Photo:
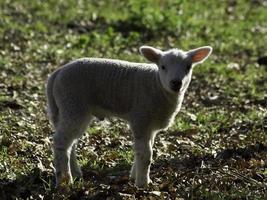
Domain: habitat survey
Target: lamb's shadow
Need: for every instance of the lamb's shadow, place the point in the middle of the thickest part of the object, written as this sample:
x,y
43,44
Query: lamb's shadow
x,y
24,186
42,182
118,174
193,161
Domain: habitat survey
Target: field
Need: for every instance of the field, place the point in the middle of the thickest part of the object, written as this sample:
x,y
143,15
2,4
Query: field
x,y
217,148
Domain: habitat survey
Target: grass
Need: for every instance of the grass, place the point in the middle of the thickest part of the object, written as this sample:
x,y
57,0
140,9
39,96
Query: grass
x,y
218,145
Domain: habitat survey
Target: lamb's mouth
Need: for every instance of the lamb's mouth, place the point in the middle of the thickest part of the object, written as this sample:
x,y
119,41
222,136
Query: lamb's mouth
x,y
175,89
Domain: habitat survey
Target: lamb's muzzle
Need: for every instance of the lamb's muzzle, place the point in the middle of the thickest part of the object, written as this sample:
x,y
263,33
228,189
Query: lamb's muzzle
x,y
175,85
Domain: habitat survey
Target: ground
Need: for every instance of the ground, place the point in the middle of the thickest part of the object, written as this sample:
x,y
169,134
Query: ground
x,y
217,148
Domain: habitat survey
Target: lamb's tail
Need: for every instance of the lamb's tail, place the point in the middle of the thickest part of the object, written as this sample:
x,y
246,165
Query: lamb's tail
x,y
52,109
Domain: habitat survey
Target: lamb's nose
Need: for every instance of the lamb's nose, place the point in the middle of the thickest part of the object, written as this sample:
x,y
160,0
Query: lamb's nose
x,y
176,85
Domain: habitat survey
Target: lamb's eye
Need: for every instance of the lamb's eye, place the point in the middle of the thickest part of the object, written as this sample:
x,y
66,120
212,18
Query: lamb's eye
x,y
163,67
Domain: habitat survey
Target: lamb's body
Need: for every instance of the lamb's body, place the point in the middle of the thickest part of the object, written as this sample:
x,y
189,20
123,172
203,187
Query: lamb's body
x,y
144,95
113,88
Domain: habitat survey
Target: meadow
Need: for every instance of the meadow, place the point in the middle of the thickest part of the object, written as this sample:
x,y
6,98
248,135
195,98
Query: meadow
x,y
217,148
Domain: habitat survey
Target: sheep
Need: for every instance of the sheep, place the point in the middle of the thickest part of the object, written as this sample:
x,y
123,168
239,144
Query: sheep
x,y
147,96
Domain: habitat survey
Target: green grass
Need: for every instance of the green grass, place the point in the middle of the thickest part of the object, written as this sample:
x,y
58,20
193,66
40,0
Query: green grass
x,y
215,150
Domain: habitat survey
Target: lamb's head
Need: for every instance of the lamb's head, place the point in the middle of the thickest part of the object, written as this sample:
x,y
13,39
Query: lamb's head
x,y
175,66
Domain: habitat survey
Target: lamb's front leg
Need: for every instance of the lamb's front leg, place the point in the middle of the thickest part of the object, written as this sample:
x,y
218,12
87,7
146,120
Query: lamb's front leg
x,y
133,169
143,157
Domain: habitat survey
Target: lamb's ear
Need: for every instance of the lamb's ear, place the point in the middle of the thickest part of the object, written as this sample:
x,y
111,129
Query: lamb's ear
x,y
200,54
150,53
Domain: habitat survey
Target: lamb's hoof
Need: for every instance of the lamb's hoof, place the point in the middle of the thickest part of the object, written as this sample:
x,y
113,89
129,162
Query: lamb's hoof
x,y
143,184
63,180
77,175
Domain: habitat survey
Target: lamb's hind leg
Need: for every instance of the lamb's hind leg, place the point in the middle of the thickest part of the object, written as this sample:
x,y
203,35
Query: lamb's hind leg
x,y
76,171
67,133
62,149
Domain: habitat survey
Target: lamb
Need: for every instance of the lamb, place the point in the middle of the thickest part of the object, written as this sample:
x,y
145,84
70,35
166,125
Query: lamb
x,y
147,96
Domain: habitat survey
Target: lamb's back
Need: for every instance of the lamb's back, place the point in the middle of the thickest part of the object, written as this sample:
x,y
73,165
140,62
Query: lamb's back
x,y
106,85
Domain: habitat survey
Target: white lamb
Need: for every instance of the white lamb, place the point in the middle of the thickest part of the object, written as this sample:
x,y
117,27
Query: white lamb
x,y
147,96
